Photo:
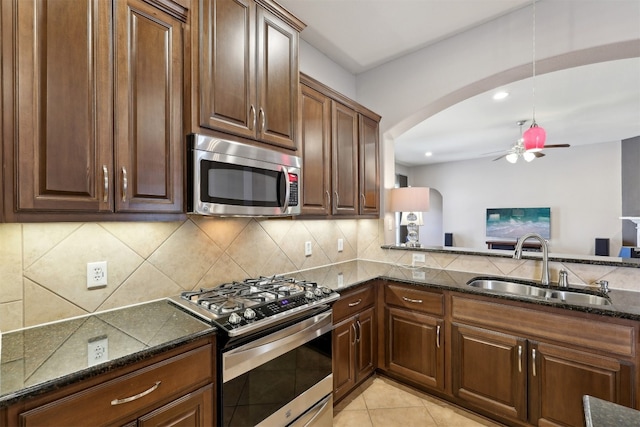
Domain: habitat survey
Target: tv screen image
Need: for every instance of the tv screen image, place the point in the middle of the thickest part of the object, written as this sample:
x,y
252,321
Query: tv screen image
x,y
512,223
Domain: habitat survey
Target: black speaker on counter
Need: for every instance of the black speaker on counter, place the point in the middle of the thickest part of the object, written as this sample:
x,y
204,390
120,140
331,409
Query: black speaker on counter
x,y
448,239
602,247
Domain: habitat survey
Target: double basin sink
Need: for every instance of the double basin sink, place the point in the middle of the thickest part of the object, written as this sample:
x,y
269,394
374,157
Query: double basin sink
x,y
549,294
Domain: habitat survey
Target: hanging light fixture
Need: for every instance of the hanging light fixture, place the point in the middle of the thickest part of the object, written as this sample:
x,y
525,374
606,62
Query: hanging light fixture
x,y
535,136
518,150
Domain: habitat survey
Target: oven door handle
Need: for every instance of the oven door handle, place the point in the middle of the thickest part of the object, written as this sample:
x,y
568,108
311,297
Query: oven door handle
x,y
240,360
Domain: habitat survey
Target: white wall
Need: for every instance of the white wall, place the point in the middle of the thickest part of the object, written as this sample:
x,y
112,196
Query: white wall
x,y
317,65
581,185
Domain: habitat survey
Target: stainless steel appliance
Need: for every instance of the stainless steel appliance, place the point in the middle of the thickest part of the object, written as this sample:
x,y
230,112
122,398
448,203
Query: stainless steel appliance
x,y
274,350
227,177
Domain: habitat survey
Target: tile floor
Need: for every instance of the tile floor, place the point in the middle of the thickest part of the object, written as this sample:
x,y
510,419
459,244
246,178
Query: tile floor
x,y
382,402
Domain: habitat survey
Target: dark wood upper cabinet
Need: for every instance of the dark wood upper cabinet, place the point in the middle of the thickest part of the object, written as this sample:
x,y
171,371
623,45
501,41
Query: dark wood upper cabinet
x,y
315,144
71,62
345,160
340,154
149,138
247,57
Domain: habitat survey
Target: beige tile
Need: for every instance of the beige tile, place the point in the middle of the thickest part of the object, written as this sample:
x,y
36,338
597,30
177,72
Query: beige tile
x,y
42,305
147,283
224,270
402,417
474,264
383,395
293,244
279,229
11,316
355,403
223,231
186,256
446,415
142,237
252,249
358,418
11,264
63,270
40,238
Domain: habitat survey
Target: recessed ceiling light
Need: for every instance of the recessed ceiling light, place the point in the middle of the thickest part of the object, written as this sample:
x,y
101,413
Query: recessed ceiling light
x,y
428,154
500,95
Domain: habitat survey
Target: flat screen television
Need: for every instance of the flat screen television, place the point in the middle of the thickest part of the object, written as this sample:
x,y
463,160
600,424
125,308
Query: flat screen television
x,y
512,223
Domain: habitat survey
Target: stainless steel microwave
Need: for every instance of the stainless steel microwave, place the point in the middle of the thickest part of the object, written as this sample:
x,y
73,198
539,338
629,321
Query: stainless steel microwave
x,y
227,177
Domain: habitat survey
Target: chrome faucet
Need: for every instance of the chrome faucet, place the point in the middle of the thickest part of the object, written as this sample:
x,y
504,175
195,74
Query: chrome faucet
x,y
545,254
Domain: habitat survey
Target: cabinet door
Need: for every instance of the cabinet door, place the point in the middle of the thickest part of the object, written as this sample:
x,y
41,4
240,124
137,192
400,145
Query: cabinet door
x,y
344,122
414,347
344,342
366,348
227,66
369,166
149,137
278,80
193,410
490,370
64,115
559,377
316,155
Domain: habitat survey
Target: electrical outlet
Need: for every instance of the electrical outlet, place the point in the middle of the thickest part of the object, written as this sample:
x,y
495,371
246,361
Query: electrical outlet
x,y
418,275
418,258
97,350
340,245
340,279
307,248
96,274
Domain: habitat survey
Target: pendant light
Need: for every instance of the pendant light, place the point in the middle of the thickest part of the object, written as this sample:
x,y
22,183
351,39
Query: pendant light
x,y
535,136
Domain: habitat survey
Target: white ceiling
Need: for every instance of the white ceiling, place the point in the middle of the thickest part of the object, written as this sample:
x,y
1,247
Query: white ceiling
x,y
600,103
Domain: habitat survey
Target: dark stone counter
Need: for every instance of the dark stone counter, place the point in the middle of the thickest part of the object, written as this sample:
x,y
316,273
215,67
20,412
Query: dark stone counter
x,y
44,358
600,413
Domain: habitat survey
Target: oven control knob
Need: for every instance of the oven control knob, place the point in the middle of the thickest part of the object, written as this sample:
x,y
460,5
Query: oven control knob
x,y
317,292
249,314
309,295
234,319
326,290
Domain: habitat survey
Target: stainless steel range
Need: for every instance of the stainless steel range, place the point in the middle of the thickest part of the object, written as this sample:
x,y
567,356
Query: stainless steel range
x,y
274,350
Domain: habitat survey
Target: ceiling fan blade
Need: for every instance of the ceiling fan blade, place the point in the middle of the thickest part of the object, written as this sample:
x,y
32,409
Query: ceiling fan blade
x,y
539,154
498,158
557,146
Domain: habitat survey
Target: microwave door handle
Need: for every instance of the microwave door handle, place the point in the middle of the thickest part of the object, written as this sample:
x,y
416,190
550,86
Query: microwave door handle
x,y
285,205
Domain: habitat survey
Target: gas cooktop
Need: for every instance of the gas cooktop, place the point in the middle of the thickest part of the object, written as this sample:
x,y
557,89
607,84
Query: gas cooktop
x,y
240,308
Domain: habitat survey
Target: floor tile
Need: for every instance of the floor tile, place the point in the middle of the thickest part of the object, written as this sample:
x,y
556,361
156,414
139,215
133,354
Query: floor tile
x,y
383,402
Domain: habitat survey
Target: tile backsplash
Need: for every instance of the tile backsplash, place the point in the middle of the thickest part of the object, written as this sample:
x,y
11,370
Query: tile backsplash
x,y
43,266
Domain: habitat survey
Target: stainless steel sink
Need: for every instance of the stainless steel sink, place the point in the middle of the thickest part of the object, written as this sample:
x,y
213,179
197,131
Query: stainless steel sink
x,y
522,289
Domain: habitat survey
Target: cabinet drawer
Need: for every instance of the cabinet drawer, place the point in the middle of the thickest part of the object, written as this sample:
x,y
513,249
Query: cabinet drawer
x,y
414,299
126,396
352,302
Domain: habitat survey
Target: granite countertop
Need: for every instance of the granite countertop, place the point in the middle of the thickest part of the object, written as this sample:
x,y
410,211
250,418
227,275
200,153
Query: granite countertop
x,y
624,304
600,413
43,358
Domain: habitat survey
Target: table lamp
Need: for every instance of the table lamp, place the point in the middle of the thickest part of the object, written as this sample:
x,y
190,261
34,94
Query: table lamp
x,y
411,201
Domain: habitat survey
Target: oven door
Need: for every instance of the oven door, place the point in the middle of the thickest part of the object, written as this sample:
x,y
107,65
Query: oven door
x,y
276,379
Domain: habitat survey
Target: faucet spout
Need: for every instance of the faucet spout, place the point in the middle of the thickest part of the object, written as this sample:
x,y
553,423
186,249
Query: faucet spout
x,y
545,254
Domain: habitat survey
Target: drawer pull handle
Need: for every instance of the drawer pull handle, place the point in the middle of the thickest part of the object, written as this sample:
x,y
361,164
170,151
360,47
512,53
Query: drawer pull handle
x,y
115,402
519,358
415,301
438,336
353,304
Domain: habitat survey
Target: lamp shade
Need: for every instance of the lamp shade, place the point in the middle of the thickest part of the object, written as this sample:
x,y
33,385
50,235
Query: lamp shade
x,y
533,138
409,199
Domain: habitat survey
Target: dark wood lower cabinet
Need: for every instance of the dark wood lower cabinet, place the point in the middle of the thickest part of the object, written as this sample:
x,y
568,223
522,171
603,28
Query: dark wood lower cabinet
x,y
353,351
414,346
560,376
490,370
194,409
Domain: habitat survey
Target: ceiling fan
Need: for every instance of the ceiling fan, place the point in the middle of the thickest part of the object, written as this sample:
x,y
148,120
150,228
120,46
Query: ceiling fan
x,y
514,153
